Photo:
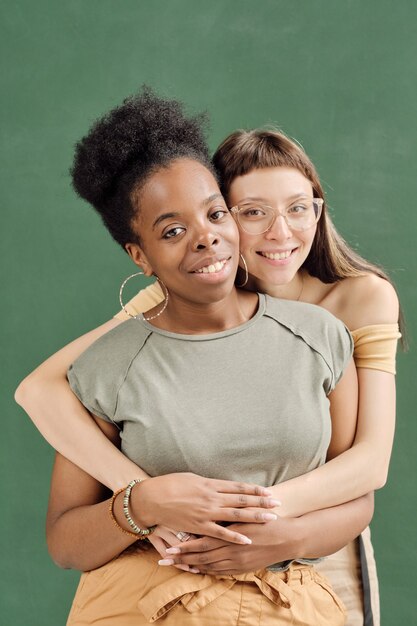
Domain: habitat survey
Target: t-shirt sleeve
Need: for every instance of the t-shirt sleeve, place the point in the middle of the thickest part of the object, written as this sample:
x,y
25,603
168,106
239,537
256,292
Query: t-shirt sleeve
x,y
86,380
97,376
319,329
143,301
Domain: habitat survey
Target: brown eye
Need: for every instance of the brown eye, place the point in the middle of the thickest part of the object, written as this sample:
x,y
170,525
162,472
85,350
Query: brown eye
x,y
297,209
253,212
173,232
218,214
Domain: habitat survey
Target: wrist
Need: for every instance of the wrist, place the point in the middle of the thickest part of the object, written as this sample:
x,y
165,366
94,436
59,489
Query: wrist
x,y
142,505
125,522
280,493
121,474
116,508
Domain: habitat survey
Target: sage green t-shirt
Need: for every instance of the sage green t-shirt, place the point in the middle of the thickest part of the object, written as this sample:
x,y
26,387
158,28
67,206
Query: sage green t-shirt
x,y
249,403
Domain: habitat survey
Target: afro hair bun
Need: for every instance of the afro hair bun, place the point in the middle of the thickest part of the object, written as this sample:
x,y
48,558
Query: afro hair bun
x,y
124,146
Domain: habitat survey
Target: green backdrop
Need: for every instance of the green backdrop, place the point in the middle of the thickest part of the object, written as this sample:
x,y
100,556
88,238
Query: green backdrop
x,y
338,76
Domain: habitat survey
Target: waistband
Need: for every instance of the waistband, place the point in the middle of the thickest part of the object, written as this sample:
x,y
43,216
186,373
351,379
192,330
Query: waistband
x,y
196,591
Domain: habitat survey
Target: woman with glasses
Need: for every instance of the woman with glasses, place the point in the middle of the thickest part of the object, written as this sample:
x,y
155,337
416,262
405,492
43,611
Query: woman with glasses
x,y
290,250
260,173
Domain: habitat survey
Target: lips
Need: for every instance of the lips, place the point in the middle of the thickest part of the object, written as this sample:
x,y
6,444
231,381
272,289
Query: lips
x,y
211,269
210,266
277,256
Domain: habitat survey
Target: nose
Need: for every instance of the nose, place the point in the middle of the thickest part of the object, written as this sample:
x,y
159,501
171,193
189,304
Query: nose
x,y
205,238
279,229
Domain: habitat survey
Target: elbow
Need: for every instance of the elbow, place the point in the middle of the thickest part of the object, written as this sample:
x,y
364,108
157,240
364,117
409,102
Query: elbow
x,y
27,391
20,393
31,395
59,562
60,545
67,553
59,556
64,556
375,468
381,480
379,476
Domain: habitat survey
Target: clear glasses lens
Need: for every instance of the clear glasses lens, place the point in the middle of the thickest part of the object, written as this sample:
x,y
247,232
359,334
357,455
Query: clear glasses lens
x,y
257,219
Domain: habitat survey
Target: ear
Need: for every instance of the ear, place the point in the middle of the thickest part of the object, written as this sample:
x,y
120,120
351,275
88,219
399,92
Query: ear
x,y
139,258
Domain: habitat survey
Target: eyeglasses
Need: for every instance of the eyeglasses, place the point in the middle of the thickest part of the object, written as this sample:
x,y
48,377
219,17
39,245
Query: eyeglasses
x,y
255,218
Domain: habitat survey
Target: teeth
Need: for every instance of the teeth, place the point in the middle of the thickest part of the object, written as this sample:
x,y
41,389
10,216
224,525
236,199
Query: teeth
x,y
211,269
277,256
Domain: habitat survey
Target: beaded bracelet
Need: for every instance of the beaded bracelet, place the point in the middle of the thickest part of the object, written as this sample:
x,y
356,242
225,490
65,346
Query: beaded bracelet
x,y
140,533
113,518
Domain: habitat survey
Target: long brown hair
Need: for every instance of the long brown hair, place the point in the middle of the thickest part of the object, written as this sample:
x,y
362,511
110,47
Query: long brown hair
x,y
330,258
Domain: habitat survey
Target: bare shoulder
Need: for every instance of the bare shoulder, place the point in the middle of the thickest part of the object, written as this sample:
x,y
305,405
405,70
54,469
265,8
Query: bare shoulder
x,y
366,300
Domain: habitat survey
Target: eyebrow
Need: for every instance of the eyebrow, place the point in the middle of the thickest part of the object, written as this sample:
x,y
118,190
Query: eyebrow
x,y
171,214
214,196
260,199
161,218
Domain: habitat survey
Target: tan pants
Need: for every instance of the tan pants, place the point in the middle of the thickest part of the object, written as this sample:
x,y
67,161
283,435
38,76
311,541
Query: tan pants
x,y
134,590
343,569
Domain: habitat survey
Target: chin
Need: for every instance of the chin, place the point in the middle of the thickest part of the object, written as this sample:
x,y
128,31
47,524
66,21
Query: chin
x,y
216,293
278,278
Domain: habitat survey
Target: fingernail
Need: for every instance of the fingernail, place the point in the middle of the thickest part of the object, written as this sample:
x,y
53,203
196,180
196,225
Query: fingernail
x,y
245,539
267,516
166,562
173,551
267,492
193,570
275,502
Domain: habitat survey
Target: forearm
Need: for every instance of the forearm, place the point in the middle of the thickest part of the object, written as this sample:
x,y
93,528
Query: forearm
x,y
71,430
318,533
85,538
326,531
79,529
340,480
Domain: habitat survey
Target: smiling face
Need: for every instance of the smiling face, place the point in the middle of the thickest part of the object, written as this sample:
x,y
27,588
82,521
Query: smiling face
x,y
274,257
188,237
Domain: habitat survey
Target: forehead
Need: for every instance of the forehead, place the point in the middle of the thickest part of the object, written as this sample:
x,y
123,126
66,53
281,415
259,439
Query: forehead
x,y
276,181
184,182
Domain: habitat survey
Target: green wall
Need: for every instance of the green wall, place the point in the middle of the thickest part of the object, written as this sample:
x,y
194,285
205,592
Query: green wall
x,y
339,76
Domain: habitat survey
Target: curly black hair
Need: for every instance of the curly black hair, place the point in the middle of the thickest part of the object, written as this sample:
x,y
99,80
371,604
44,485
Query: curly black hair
x,y
128,144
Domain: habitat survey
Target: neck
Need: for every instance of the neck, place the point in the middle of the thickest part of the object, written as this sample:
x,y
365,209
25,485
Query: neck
x,y
191,318
290,291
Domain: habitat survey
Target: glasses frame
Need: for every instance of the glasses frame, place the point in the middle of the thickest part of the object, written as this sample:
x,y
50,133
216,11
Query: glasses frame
x,y
235,210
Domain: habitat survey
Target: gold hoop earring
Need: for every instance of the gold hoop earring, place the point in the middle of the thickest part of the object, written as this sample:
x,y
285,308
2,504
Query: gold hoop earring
x,y
164,290
246,271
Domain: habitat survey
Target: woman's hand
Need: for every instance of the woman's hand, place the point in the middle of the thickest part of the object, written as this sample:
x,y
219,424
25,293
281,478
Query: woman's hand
x,y
163,538
277,541
195,504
